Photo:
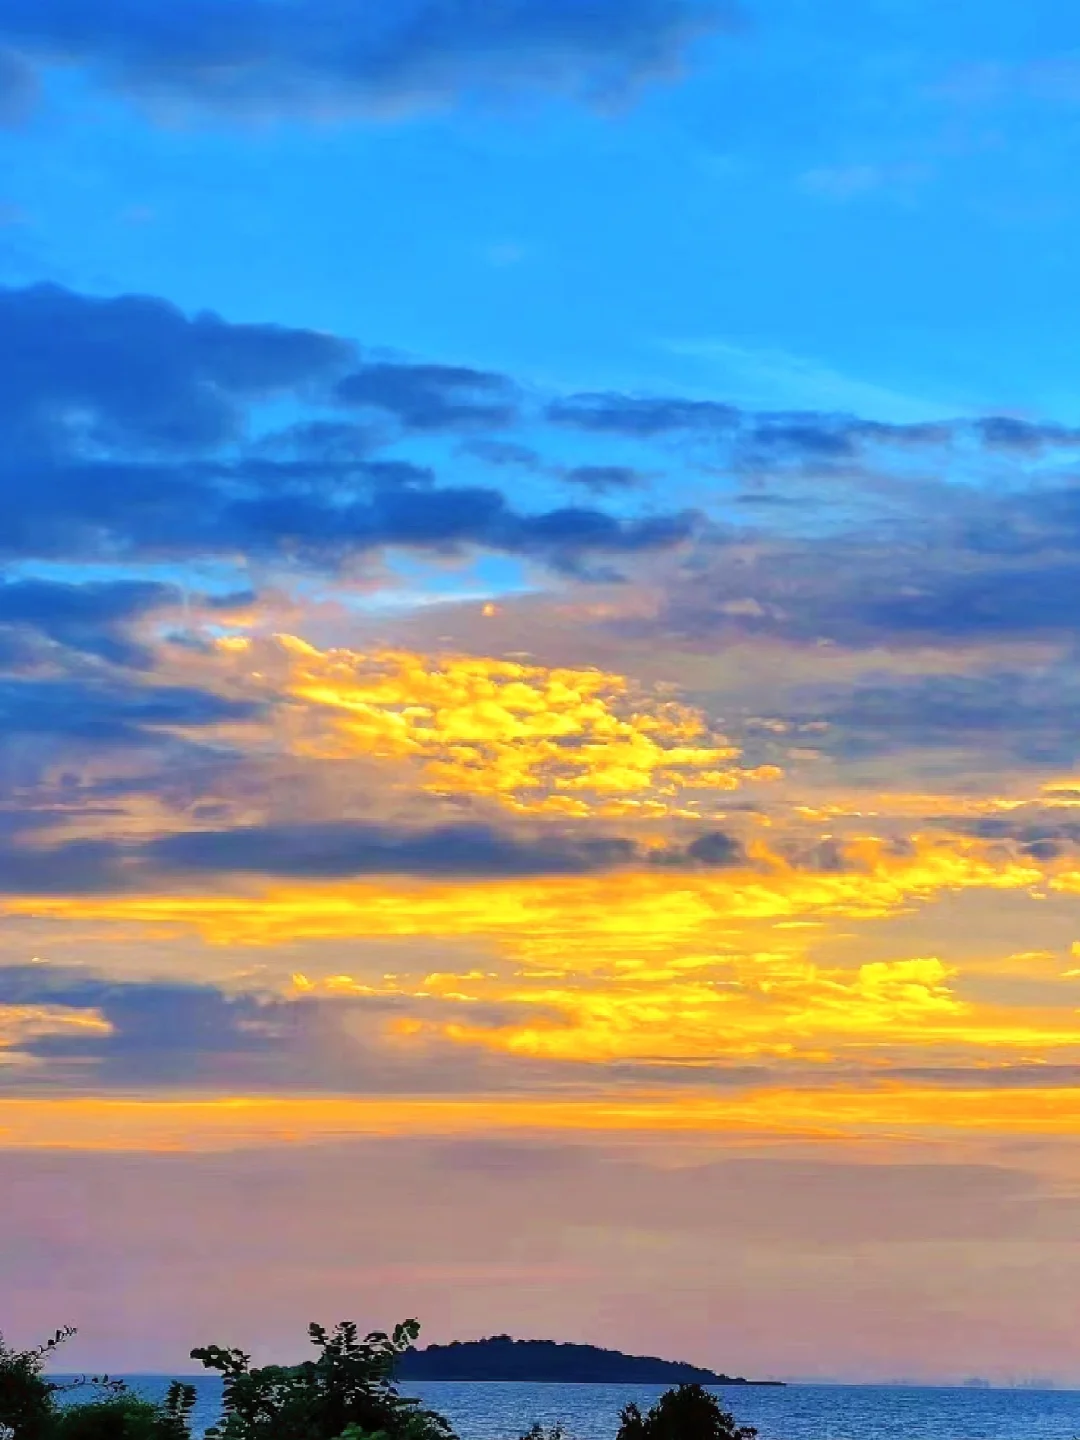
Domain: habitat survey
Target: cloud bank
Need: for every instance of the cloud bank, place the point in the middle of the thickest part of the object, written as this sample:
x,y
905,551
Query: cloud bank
x,y
237,57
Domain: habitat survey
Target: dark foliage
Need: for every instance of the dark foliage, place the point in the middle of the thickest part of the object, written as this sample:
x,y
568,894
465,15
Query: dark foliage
x,y
347,1393
689,1412
30,1408
123,1416
544,1361
537,1432
26,1397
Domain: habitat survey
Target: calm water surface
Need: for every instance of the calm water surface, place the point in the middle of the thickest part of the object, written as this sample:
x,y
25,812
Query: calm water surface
x,y
797,1412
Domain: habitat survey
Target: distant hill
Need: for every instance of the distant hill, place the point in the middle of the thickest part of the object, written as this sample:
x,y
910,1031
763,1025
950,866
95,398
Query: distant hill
x,y
542,1362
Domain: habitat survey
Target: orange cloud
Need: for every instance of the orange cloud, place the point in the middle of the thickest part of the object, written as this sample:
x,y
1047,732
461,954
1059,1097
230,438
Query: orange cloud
x,y
655,965
21,1023
534,739
664,964
894,1112
628,913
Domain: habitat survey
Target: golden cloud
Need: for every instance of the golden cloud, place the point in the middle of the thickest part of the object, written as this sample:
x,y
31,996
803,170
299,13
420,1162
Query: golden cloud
x,y
894,1112
583,918
664,964
533,739
646,966
20,1023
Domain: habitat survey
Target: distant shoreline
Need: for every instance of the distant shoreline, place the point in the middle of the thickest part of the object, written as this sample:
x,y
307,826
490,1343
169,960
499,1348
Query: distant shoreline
x,y
735,1381
1062,1387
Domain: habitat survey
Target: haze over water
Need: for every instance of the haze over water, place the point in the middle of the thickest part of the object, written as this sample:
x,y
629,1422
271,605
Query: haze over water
x,y
834,1412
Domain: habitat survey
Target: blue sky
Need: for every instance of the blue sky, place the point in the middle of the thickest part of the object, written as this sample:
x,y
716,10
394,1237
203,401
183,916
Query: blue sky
x,y
830,205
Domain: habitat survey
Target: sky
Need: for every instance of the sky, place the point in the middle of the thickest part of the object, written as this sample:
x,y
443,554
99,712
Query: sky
x,y
539,678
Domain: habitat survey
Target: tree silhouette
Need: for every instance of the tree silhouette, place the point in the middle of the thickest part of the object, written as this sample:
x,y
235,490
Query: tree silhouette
x,y
29,1409
345,1394
27,1405
688,1412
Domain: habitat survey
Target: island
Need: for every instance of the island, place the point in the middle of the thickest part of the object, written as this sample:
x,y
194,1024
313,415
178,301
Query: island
x,y
543,1362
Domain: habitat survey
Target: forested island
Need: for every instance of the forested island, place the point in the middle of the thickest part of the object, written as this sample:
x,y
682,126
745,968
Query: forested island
x,y
541,1362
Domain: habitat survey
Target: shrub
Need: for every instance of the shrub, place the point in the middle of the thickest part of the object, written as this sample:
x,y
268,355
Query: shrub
x,y
29,1409
688,1412
27,1399
347,1393
124,1416
537,1432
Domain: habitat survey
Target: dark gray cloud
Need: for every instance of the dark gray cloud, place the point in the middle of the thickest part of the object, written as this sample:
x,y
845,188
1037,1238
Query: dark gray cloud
x,y
169,1032
109,711
76,732
52,727
1008,708
996,604
714,849
327,442
507,455
1003,432
358,848
133,372
1003,716
803,439
1042,834
327,850
504,454
322,532
432,397
604,477
810,436
131,436
989,578
997,1077
164,1033
79,867
959,567
53,606
275,56
93,617
353,848
82,509
642,417
204,1012
930,433
128,437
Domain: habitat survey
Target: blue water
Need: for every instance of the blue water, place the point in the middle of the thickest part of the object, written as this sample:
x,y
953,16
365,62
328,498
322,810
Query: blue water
x,y
796,1412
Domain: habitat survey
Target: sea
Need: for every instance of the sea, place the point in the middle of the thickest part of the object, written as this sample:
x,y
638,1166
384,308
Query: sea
x,y
497,1411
